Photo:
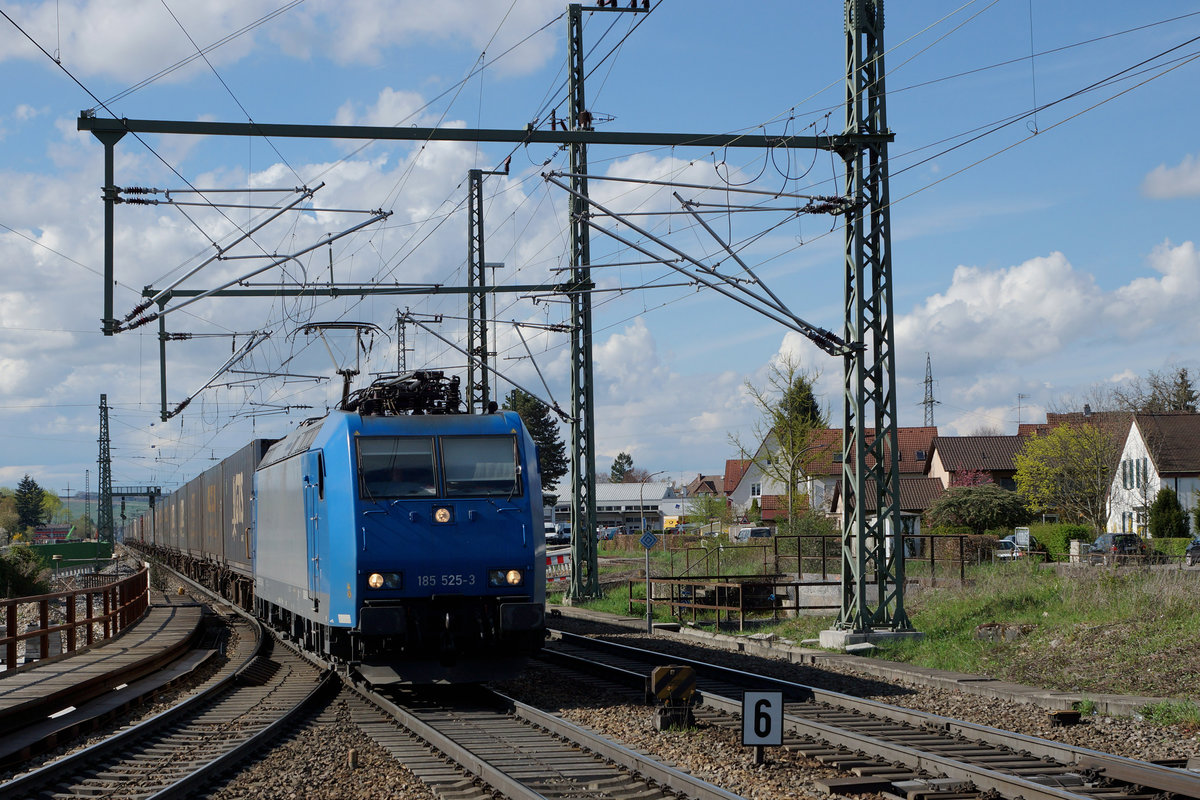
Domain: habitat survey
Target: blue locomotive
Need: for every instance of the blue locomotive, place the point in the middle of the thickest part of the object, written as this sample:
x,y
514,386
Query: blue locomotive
x,y
394,535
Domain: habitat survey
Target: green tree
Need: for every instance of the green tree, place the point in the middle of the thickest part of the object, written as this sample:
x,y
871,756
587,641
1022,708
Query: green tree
x,y
543,427
1068,471
789,417
28,499
980,508
8,513
708,509
621,467
1167,519
22,574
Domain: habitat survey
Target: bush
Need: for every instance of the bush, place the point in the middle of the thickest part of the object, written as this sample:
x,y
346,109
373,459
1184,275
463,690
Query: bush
x,y
1171,549
1167,520
1056,537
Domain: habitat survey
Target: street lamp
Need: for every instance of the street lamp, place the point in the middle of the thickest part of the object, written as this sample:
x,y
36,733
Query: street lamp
x,y
642,511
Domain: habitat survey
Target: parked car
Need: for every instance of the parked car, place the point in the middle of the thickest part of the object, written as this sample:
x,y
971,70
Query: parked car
x,y
746,534
563,534
1114,548
551,533
1191,556
1007,550
610,533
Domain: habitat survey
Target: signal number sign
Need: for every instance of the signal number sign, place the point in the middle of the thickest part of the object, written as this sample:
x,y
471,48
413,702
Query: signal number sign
x,y
762,718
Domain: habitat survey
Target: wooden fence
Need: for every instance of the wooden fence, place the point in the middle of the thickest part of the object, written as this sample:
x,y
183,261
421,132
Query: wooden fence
x,y
107,610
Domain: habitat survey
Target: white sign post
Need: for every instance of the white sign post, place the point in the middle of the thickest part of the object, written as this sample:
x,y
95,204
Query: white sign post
x,y
762,721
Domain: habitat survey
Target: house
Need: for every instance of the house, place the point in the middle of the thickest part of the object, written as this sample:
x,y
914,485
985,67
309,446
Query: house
x,y
916,496
705,484
952,458
1160,450
822,470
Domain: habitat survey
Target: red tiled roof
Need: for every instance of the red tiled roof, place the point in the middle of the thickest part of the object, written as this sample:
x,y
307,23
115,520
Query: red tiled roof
x,y
916,496
911,441
735,468
1173,441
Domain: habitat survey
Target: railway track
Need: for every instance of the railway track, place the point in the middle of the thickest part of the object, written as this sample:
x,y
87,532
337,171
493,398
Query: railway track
x,y
185,747
886,748
477,743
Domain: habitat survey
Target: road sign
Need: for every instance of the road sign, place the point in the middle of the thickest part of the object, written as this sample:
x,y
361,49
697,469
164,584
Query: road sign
x,y
648,540
762,718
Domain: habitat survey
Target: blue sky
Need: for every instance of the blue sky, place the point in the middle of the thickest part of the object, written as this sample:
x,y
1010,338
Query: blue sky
x,y
1048,256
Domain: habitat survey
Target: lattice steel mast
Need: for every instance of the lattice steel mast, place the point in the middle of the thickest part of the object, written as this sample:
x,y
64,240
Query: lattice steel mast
x,y
585,574
104,514
477,339
872,561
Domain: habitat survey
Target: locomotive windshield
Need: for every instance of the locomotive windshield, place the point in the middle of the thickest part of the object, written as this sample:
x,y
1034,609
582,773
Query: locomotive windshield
x,y
390,467
480,466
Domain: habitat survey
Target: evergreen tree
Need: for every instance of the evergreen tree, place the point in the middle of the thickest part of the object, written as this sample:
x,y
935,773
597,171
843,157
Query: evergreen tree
x,y
543,427
1183,392
1167,519
28,500
621,467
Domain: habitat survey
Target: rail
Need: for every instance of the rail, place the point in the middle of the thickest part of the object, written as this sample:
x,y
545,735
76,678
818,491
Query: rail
x,y
121,604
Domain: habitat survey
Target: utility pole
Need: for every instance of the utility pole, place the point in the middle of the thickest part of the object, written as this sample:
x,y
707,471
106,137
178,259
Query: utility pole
x,y
478,377
872,559
104,521
929,402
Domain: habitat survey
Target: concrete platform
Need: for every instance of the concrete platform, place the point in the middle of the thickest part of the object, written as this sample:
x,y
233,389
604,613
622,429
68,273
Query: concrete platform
x,y
33,691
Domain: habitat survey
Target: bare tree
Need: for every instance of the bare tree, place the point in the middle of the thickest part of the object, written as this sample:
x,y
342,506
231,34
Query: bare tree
x,y
1159,392
789,416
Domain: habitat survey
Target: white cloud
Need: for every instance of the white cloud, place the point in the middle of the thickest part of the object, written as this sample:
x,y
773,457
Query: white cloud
x,y
1181,180
390,108
1024,312
129,40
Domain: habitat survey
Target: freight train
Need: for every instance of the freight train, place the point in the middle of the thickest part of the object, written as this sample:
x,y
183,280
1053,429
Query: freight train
x,y
395,536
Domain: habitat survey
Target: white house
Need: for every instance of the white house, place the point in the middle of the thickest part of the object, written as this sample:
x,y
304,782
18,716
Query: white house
x,y
1159,450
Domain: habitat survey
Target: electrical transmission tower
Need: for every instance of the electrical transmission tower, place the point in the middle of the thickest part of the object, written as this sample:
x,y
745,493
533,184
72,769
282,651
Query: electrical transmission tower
x,y
104,522
928,402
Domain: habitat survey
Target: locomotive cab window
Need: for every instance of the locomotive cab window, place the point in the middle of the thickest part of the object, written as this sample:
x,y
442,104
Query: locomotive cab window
x,y
481,466
396,467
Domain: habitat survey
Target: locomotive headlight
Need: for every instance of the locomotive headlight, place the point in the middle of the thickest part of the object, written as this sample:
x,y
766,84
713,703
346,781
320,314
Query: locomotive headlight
x,y
386,580
505,577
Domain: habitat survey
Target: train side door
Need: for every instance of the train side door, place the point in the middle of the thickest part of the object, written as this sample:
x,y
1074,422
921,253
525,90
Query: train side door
x,y
314,491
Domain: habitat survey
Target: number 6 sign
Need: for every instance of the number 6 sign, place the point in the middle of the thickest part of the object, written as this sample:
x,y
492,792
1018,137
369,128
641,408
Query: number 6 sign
x,y
762,718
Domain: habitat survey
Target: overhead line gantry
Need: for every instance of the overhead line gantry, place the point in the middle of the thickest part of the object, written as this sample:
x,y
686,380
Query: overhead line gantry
x,y
873,560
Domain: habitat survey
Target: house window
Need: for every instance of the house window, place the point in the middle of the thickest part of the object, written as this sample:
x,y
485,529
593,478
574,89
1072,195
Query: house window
x,y
756,490
1125,475
920,455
